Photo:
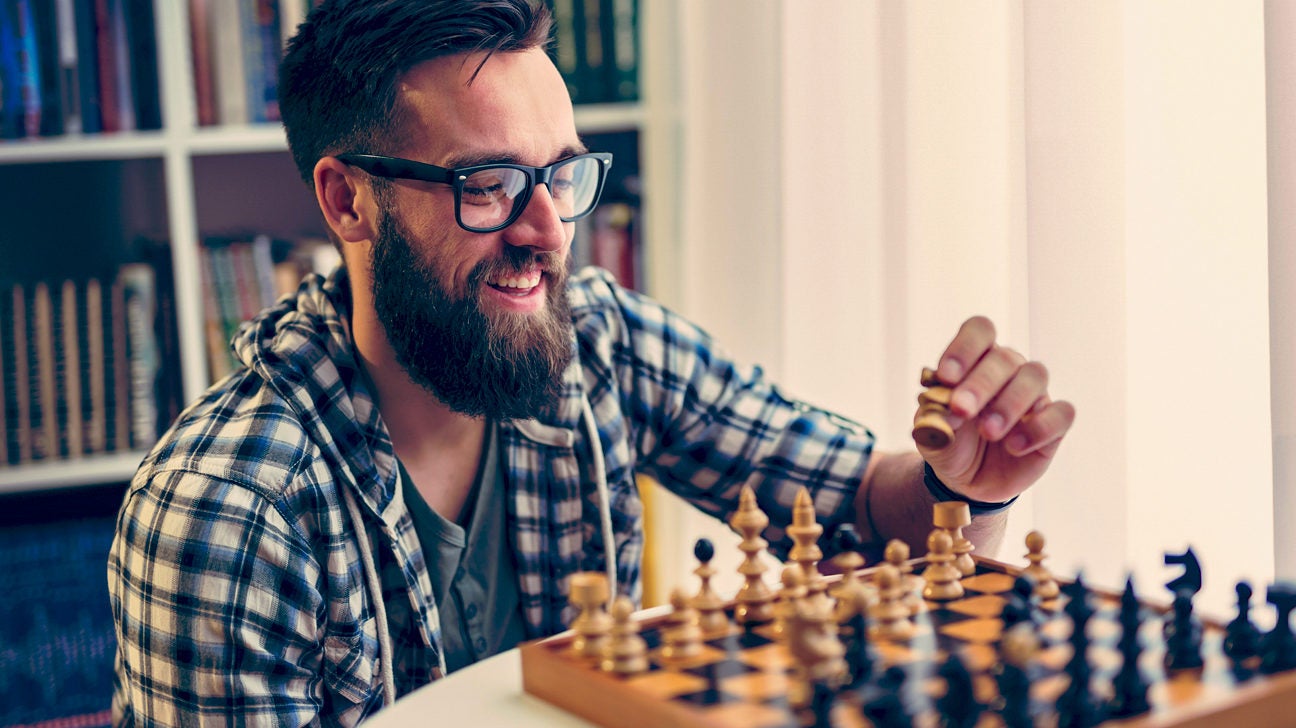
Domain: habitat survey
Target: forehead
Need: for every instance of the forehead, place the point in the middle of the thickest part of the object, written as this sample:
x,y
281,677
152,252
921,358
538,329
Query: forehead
x,y
516,105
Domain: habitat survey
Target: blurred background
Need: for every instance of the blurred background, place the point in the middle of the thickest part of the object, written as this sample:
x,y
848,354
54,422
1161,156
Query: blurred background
x,y
829,187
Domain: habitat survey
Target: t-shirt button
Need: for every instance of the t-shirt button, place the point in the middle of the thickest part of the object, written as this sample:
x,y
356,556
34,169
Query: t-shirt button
x,y
472,611
481,645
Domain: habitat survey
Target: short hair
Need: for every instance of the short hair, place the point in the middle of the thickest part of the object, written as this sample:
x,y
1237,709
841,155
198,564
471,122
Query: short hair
x,y
338,78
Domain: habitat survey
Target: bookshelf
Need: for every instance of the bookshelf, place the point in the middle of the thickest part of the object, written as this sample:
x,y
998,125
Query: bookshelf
x,y
88,197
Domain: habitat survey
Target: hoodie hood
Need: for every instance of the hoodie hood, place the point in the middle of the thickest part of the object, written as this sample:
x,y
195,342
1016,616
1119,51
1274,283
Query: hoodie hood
x,y
300,348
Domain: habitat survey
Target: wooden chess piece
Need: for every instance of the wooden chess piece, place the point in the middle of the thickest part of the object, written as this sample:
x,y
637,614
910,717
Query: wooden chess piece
x,y
930,428
588,591
1018,648
709,605
805,532
627,653
953,516
682,637
793,592
890,616
897,554
850,593
753,603
941,575
817,654
1046,587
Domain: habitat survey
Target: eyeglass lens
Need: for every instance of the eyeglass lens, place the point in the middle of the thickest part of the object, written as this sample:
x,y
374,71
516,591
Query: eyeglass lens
x,y
488,195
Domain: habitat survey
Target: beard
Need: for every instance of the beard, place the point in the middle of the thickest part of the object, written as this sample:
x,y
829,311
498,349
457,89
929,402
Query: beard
x,y
503,365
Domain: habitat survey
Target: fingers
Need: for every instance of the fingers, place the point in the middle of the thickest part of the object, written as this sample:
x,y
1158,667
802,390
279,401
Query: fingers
x,y
1006,394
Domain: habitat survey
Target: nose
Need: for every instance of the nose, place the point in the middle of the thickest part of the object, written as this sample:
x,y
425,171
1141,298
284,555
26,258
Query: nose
x,y
538,226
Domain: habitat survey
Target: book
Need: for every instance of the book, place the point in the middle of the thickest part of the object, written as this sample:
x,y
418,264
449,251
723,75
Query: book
x,y
117,395
89,108
292,13
106,50
200,46
44,407
6,349
230,74
612,242
261,44
138,284
19,399
123,77
48,53
595,75
11,102
621,49
218,358
168,388
141,38
569,46
71,433
68,71
94,398
28,68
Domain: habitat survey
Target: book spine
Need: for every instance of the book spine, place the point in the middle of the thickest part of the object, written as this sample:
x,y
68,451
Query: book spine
x,y
122,64
117,409
141,33
292,13
44,402
6,388
200,44
94,403
11,106
263,268
69,93
569,49
218,361
90,108
621,48
271,50
106,56
613,242
595,88
48,50
22,387
141,345
229,73
70,365
29,70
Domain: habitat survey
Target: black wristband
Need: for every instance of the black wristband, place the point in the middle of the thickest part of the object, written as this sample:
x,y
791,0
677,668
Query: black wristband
x,y
941,493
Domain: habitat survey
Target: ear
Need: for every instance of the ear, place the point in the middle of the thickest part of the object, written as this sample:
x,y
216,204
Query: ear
x,y
348,205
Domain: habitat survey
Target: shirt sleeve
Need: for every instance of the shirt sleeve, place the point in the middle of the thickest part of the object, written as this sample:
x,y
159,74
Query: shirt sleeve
x,y
217,608
706,425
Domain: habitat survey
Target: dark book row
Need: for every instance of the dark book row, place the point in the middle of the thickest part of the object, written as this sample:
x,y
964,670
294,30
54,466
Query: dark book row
x,y
88,365
597,48
77,67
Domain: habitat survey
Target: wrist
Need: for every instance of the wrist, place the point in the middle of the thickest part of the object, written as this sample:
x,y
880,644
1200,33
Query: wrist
x,y
942,492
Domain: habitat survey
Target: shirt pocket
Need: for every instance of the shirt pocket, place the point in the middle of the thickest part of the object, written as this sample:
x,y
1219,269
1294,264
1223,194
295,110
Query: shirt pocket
x,y
351,660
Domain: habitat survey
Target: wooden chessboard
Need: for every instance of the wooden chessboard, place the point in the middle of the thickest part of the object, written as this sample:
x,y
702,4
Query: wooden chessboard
x,y
741,679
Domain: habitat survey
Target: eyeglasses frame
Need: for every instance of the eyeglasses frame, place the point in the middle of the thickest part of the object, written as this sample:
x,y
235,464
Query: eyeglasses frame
x,y
399,168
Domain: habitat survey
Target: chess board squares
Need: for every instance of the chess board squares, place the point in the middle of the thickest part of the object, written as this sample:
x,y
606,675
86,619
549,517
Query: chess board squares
x,y
707,655
667,684
1100,630
1101,659
757,685
773,656
746,715
984,605
975,631
979,658
988,583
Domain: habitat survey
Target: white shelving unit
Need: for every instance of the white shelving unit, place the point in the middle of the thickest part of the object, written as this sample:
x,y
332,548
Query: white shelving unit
x,y
186,155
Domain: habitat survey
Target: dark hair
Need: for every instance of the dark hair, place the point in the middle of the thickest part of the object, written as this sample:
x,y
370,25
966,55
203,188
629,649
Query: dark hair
x,y
338,79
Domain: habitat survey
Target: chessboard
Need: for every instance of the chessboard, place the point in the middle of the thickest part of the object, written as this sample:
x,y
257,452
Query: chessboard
x,y
948,661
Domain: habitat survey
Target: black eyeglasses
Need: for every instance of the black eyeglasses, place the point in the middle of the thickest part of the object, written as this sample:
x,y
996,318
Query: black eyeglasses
x,y
489,197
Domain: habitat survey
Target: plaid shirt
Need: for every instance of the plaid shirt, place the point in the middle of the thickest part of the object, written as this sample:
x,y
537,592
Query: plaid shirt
x,y
237,584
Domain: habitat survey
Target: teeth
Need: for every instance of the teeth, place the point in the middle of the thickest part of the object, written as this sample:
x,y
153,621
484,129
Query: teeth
x,y
529,280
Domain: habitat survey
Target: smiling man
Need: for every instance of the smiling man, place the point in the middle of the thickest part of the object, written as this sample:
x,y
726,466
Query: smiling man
x,y
421,448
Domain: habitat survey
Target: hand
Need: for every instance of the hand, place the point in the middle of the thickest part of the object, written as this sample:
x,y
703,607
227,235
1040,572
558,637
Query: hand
x,y
1006,427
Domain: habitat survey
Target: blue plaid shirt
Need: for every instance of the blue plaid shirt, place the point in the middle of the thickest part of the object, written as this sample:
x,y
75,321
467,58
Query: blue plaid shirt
x,y
236,579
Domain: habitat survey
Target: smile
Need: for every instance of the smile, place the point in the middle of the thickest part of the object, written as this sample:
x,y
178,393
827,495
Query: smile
x,y
517,285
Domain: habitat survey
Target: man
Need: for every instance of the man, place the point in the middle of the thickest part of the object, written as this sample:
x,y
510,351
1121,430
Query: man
x,y
423,447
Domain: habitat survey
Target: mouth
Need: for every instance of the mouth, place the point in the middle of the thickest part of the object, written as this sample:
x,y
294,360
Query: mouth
x,y
516,284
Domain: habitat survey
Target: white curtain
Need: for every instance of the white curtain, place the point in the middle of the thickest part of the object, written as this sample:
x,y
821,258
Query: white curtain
x,y
1104,179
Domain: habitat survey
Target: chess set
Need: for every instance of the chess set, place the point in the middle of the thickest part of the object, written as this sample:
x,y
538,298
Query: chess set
x,y
950,639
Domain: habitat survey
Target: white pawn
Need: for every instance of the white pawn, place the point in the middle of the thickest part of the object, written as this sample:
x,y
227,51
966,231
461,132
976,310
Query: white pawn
x,y
682,638
1046,587
942,576
897,554
890,616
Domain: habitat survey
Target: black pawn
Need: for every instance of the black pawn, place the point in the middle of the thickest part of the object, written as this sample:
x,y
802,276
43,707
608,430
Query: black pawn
x,y
861,657
1278,648
1241,636
846,538
1182,635
1129,687
958,707
1020,605
704,550
887,709
822,698
1014,696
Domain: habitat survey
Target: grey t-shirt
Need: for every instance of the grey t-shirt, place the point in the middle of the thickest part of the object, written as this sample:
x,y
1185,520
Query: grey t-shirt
x,y
474,580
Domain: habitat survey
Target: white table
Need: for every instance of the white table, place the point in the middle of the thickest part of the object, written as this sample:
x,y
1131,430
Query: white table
x,y
483,695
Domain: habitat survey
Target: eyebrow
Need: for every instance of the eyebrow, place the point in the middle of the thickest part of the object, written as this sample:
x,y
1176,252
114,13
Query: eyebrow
x,y
475,159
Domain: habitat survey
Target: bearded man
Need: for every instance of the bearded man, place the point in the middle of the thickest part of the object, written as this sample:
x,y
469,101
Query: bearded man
x,y
420,449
